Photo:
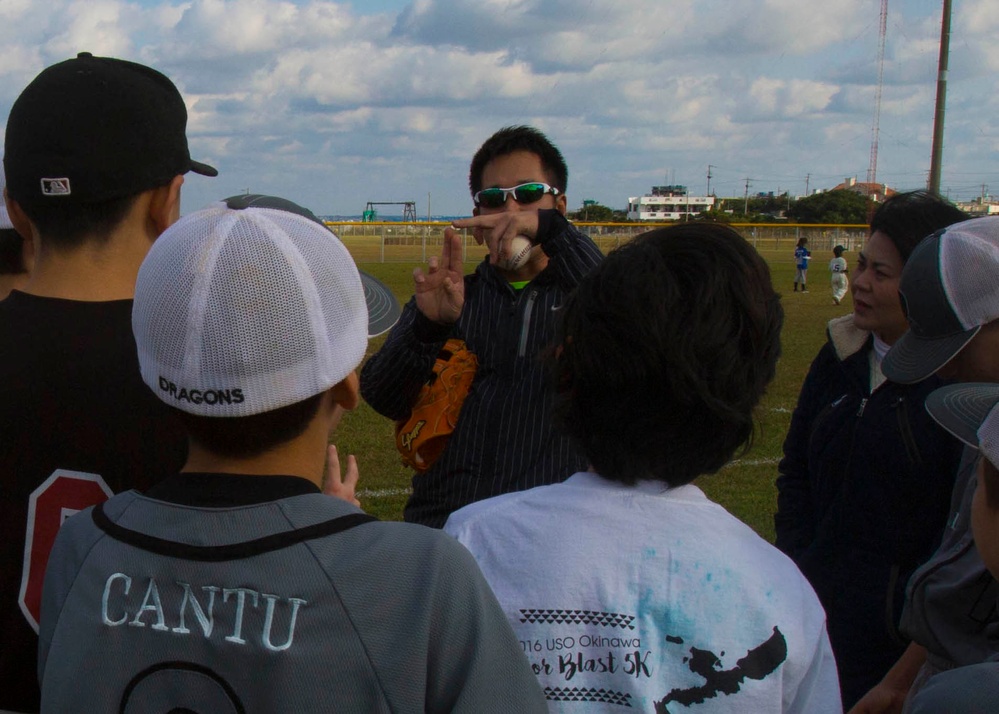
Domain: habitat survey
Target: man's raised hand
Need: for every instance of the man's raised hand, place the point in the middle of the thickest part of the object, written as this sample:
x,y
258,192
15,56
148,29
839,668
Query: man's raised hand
x,y
440,291
497,230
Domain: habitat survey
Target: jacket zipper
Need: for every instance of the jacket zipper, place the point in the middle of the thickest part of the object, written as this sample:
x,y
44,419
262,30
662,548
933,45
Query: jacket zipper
x,y
526,325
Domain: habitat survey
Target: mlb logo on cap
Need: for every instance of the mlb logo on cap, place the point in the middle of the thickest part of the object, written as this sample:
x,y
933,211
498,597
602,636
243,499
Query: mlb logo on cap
x,y
949,290
56,187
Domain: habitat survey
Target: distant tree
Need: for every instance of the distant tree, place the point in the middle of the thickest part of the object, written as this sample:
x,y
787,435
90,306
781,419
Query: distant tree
x,y
596,213
756,209
719,216
832,207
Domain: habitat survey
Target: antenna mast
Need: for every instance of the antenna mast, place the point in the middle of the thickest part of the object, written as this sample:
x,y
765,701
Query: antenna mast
x,y
872,169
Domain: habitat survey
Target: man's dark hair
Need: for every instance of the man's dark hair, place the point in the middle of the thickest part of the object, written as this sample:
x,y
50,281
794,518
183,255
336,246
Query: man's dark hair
x,y
664,351
11,255
246,437
520,138
70,225
907,218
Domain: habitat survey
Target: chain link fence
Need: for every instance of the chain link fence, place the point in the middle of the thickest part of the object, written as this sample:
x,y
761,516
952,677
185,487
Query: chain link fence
x,y
396,242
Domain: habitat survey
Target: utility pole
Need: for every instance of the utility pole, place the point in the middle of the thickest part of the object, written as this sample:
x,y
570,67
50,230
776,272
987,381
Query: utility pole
x,y
745,209
936,155
807,179
708,192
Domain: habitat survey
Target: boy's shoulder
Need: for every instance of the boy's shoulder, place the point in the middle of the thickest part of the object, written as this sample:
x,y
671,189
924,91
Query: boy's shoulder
x,y
313,517
974,688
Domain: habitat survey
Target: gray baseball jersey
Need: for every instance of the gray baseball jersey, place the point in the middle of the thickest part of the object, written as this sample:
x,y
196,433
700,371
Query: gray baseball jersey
x,y
283,600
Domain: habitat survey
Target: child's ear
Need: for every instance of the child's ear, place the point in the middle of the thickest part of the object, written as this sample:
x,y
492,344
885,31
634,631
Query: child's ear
x,y
164,205
347,393
18,218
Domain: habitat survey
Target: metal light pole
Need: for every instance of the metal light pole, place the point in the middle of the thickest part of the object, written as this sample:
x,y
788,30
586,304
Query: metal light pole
x,y
936,156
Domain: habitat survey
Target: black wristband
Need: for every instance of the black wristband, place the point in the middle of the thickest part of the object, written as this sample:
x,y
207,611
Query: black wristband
x,y
550,223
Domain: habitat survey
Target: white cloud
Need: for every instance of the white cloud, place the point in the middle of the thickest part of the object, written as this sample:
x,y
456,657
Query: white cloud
x,y
324,103
780,100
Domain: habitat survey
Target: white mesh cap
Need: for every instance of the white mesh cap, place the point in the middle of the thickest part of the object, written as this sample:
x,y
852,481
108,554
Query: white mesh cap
x,y
240,311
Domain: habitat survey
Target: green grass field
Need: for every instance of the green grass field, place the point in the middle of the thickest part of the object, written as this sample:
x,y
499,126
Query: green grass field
x,y
745,487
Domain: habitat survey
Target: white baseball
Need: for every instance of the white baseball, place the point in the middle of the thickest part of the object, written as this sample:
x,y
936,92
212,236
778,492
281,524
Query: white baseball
x,y
519,252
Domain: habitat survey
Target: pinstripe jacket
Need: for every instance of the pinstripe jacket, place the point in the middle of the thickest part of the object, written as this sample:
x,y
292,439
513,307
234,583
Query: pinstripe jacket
x,y
505,440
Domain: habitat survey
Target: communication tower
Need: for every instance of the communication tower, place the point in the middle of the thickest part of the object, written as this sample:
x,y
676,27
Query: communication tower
x,y
872,169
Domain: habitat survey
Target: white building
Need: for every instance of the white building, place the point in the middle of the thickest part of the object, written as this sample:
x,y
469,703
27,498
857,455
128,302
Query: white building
x,y
667,203
985,205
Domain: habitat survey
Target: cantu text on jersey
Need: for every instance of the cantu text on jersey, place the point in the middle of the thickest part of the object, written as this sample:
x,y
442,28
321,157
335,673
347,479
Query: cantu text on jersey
x,y
178,608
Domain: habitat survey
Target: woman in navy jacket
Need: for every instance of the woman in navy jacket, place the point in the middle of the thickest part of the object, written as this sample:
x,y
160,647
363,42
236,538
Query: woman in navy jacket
x,y
866,476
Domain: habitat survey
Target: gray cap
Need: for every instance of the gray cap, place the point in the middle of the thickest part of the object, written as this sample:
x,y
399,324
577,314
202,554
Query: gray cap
x,y
968,411
948,291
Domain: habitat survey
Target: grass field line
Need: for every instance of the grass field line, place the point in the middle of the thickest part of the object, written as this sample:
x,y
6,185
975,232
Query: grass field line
x,y
383,492
751,462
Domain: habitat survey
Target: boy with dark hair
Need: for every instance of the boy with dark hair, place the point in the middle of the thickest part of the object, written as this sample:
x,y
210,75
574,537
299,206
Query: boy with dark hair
x,y
949,293
95,155
504,313
236,585
971,413
625,584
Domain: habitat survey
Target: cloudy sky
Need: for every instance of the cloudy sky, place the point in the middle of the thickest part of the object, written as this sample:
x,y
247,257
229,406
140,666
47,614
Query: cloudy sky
x,y
334,104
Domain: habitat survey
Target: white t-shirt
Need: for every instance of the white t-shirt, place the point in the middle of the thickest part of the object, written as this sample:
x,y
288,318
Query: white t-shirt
x,y
636,596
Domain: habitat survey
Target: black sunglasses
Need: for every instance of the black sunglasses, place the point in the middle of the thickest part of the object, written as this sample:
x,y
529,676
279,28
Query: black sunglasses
x,y
524,193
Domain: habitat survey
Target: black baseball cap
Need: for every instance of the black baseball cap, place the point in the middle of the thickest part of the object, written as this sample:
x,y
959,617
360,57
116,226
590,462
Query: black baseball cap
x,y
92,129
